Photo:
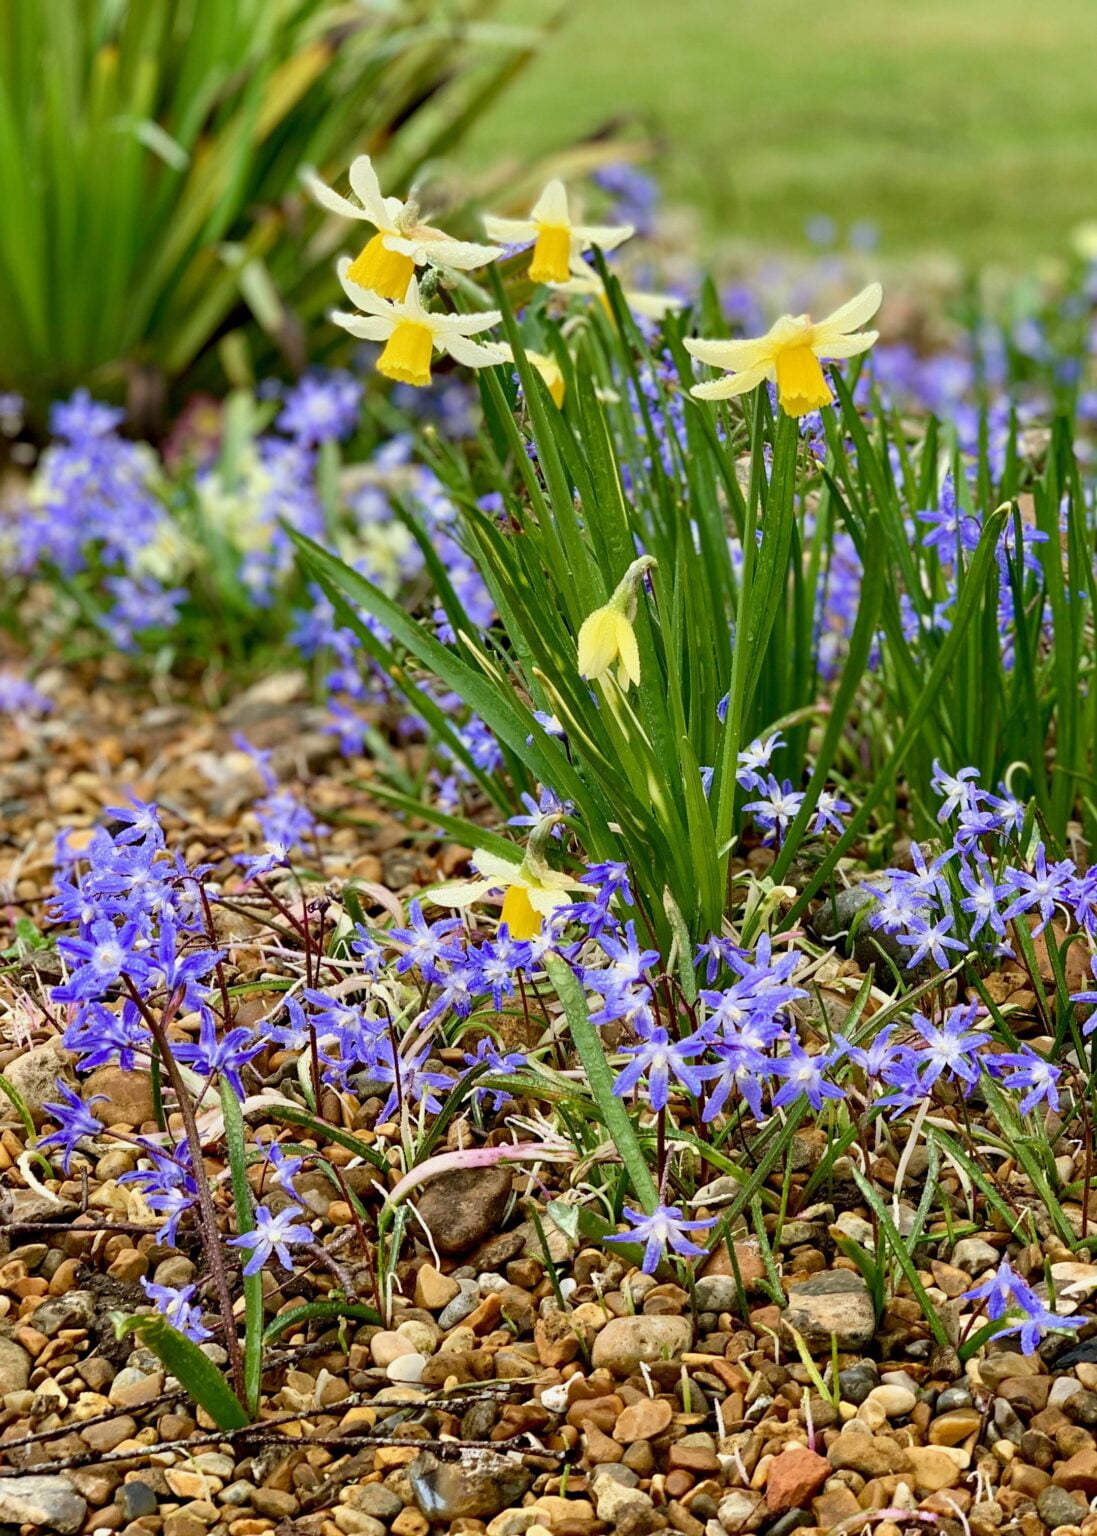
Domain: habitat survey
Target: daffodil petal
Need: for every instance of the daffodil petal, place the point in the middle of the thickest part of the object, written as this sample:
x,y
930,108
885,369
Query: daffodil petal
x,y
470,353
733,384
734,355
367,189
458,893
653,305
545,902
608,236
552,206
850,315
597,643
365,327
509,231
332,200
461,255
628,650
845,346
494,868
472,325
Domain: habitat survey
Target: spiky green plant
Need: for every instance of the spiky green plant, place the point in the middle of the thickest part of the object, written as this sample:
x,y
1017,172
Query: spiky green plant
x,y
149,165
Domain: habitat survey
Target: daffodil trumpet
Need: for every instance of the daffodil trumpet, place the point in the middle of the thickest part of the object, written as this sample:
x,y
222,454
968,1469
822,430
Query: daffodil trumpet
x,y
790,355
557,240
607,636
387,262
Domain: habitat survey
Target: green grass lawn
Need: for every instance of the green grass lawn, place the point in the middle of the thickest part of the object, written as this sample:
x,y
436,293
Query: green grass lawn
x,y
968,126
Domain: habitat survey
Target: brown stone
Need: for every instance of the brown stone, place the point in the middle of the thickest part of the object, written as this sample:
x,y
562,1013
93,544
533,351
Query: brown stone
x,y
1079,1473
603,1411
681,1520
1029,1394
1030,1481
794,1478
462,1207
954,1427
128,1096
677,1484
433,1290
104,1437
1001,1367
638,1458
643,1420
831,1508
932,1468
693,1458
873,1456
484,1318
600,1448
879,1492
409,1522
949,1279
556,1340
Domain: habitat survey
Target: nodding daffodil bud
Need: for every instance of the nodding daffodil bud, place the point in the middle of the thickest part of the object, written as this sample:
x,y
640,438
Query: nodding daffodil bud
x,y
607,635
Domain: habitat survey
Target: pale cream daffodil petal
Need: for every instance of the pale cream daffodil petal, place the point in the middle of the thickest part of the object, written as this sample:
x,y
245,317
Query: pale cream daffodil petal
x,y
365,327
733,384
509,231
608,236
546,902
459,893
552,206
471,325
846,346
724,354
469,353
493,867
367,189
441,251
853,313
331,200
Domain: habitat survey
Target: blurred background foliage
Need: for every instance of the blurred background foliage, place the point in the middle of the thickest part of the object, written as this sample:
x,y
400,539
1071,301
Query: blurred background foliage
x,y
155,238
962,127
154,235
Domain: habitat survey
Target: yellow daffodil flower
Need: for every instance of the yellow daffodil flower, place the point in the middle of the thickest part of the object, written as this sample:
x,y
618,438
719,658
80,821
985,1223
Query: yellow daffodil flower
x,y
607,635
387,263
790,354
557,241
532,890
412,334
587,284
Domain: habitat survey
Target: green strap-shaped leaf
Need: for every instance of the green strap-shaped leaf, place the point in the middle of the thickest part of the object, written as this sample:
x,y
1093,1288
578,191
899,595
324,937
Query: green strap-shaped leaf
x,y
245,1222
612,1110
185,1361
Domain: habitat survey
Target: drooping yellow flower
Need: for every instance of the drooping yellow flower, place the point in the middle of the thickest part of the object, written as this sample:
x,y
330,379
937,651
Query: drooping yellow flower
x,y
412,334
545,364
790,355
557,240
607,637
532,890
387,262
